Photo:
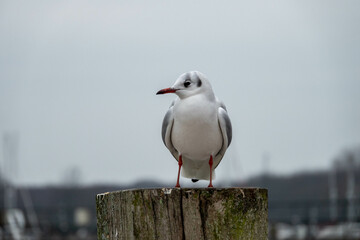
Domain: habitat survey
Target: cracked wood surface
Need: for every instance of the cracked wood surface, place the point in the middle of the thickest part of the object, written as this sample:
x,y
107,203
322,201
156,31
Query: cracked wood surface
x,y
173,213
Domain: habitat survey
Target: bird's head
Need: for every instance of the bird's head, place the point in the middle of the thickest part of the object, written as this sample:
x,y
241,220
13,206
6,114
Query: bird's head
x,y
189,84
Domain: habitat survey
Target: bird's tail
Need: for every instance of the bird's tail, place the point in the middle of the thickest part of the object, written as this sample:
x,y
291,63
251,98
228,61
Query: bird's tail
x,y
196,169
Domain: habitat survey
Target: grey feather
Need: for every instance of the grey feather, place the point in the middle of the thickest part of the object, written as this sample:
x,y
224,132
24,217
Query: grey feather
x,y
167,120
228,127
226,130
225,117
167,128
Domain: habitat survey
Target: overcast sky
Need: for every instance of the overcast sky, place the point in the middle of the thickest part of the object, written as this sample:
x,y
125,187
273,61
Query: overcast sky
x,y
78,82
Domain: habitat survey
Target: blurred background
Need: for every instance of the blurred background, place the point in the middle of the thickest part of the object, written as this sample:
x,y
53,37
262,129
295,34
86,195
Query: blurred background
x,y
79,114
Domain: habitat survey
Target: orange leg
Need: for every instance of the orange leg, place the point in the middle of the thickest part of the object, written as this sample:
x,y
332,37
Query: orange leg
x,y
211,164
178,178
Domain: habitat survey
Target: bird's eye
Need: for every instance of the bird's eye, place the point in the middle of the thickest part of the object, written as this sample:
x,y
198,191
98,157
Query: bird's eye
x,y
187,83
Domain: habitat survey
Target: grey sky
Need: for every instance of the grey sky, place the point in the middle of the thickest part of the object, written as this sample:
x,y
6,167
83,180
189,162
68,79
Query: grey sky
x,y
78,82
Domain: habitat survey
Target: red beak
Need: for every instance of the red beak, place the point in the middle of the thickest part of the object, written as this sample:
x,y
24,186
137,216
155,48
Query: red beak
x,y
166,90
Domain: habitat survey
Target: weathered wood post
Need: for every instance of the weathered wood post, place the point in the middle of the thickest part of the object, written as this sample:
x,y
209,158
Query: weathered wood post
x,y
171,213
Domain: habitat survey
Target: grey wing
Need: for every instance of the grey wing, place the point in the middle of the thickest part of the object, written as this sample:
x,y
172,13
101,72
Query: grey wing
x,y
226,130
225,125
167,125
224,121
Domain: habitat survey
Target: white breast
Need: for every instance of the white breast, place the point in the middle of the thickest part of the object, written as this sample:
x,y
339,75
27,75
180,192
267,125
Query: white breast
x,y
196,133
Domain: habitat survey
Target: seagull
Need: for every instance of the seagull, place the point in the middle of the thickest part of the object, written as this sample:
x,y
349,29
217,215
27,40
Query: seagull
x,y
196,129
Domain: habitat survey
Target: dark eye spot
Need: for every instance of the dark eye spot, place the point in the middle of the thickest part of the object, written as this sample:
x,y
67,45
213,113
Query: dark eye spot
x,y
187,83
199,83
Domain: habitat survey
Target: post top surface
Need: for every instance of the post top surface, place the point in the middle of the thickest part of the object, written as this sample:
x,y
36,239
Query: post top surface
x,y
170,190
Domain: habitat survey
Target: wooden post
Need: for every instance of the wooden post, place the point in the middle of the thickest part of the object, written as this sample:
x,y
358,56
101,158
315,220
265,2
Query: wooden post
x,y
173,213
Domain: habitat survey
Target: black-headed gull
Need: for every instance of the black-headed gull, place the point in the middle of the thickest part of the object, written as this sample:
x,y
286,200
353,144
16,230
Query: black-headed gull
x,y
196,129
